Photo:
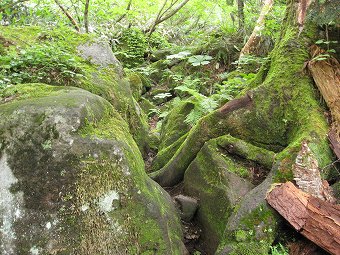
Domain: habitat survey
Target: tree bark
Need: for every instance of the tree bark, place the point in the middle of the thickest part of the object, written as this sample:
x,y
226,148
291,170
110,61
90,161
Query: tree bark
x,y
240,13
86,15
255,37
68,15
317,220
326,74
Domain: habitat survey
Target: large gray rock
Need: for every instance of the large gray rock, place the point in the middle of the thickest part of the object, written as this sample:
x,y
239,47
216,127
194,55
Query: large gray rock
x,y
100,53
73,180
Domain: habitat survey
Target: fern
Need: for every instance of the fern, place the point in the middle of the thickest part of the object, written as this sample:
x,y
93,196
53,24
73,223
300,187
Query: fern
x,y
202,104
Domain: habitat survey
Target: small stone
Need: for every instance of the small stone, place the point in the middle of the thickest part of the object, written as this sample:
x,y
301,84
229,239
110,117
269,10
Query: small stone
x,y
187,206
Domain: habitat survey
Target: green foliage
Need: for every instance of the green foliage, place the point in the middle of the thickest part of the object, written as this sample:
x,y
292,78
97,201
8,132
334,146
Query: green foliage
x,y
325,12
39,63
279,249
199,60
132,48
157,41
202,104
232,87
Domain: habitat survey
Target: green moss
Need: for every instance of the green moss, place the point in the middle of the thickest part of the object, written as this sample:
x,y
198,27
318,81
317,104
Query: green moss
x,y
146,105
254,235
211,177
26,91
137,216
166,154
174,125
246,150
250,248
136,85
29,35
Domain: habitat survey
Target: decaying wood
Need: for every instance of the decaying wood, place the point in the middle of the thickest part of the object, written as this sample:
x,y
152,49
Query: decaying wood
x,y
317,220
326,74
334,140
236,104
307,175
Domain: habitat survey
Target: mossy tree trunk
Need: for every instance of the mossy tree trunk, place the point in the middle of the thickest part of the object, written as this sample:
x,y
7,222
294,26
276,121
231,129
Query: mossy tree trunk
x,y
279,111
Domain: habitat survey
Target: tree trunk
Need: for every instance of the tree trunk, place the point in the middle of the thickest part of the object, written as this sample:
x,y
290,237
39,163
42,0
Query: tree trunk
x,y
281,110
317,220
167,14
86,15
255,38
326,74
240,13
68,15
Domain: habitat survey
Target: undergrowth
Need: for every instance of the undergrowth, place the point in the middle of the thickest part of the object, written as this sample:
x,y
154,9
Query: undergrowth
x,y
39,63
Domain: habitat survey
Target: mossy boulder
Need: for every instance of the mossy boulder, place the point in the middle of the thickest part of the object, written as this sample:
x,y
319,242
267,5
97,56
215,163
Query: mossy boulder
x,y
163,156
93,68
253,225
73,179
214,179
174,125
172,135
147,105
136,85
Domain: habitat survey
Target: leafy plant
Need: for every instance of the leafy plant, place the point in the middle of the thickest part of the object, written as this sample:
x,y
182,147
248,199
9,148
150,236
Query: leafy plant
x,y
132,47
199,60
328,51
179,55
202,104
279,249
163,95
40,63
231,87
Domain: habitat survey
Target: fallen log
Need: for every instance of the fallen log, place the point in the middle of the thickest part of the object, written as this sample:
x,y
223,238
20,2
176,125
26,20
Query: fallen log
x,y
317,220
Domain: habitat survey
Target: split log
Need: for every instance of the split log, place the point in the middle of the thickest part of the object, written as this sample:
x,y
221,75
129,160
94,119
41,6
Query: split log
x,y
317,220
326,74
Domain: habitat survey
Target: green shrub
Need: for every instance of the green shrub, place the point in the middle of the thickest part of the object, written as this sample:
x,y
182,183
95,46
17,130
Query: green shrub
x,y
132,48
157,41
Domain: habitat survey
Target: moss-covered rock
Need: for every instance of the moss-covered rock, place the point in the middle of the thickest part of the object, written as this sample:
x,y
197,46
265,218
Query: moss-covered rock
x,y
136,85
173,133
163,156
147,105
214,179
97,70
174,125
253,225
73,179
